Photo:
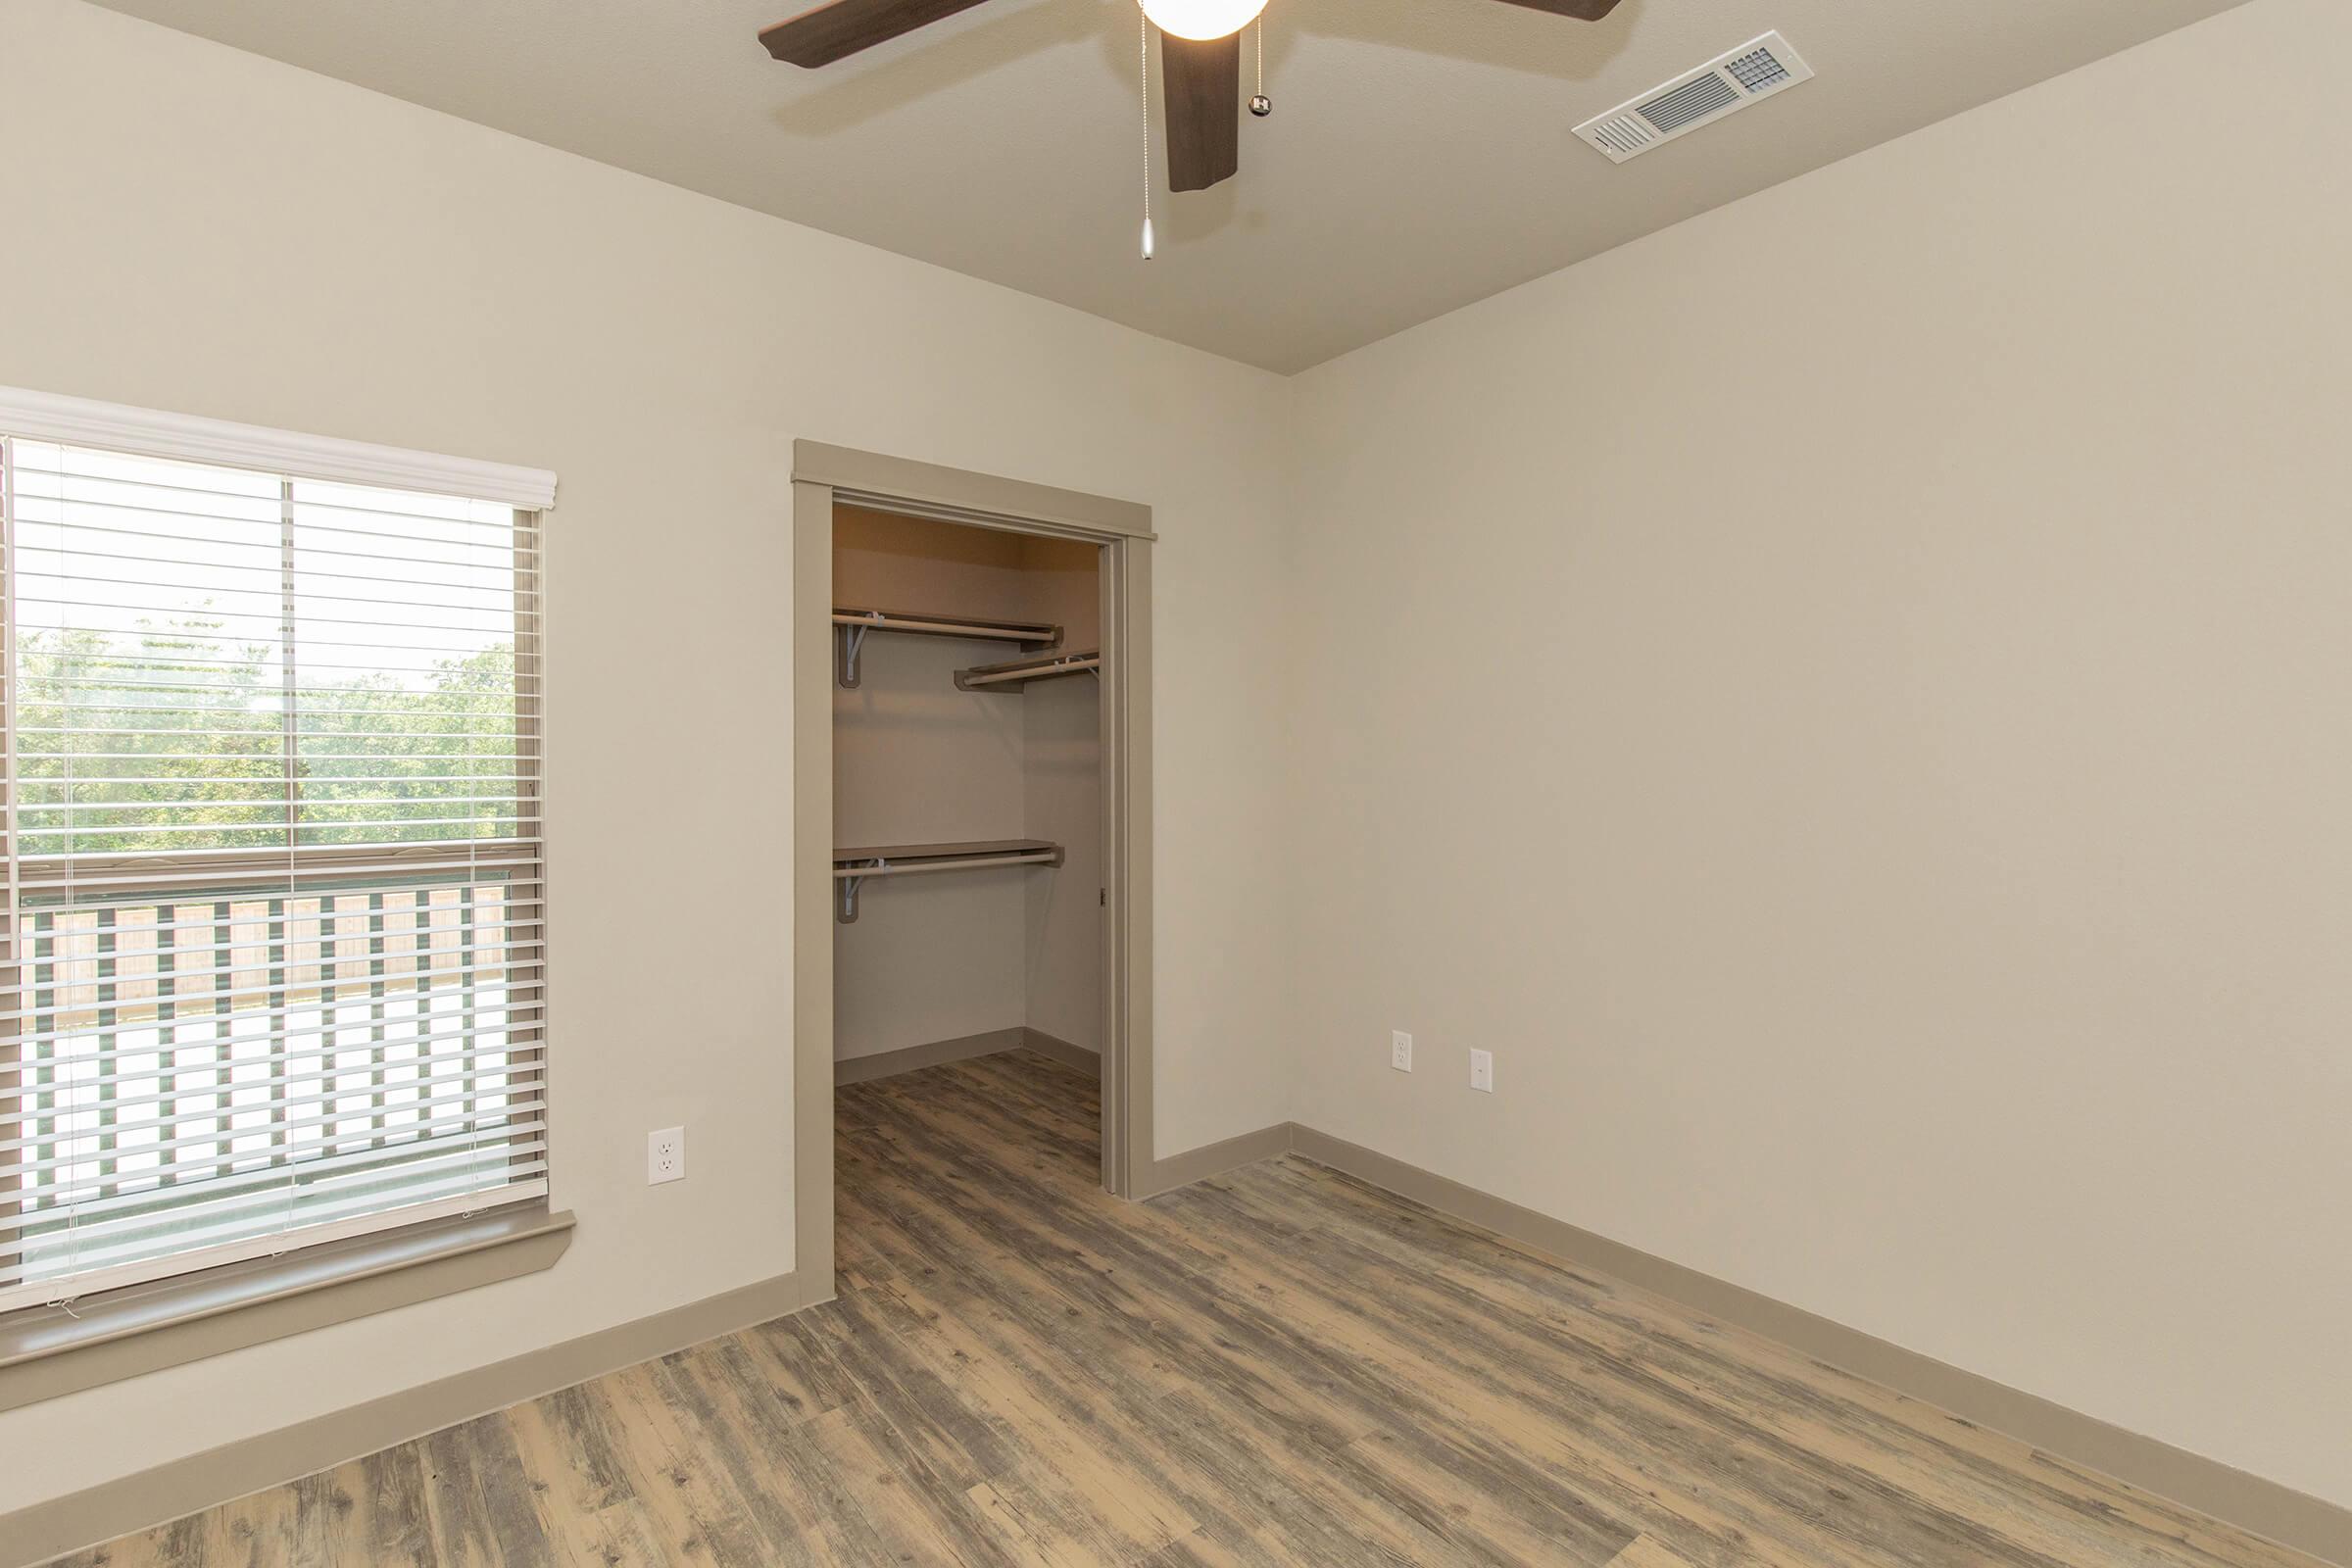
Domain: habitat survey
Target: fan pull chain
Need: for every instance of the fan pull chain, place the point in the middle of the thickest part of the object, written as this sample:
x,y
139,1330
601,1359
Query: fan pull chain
x,y
1259,104
1143,55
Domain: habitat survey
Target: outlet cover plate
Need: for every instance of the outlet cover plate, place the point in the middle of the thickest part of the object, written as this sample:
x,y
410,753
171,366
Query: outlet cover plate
x,y
1401,1051
665,1155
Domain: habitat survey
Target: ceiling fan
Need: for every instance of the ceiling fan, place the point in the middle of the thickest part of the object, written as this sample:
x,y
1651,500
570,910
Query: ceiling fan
x,y
1200,62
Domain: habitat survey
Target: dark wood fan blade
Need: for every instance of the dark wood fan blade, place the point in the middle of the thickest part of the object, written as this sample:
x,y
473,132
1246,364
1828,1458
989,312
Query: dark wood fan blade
x,y
1581,10
1201,83
821,36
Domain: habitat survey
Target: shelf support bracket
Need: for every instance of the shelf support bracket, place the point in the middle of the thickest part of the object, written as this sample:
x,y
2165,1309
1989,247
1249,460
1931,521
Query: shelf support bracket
x,y
847,643
845,906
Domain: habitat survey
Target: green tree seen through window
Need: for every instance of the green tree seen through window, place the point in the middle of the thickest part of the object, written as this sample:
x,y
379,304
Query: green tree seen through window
x,y
175,738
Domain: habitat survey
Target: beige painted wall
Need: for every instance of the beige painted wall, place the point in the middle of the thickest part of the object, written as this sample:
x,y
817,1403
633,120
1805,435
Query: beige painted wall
x,y
917,761
885,561
197,229
1848,698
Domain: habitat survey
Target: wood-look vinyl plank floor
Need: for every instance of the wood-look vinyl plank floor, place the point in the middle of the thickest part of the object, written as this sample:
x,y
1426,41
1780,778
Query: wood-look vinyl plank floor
x,y
1279,1366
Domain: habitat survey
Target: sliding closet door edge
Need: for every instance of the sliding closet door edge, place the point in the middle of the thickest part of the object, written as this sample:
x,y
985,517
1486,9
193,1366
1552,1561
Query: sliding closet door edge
x,y
812,889
1131,1049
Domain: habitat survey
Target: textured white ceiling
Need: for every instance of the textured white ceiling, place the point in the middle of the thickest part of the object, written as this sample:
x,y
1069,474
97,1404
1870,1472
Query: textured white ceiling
x,y
1418,157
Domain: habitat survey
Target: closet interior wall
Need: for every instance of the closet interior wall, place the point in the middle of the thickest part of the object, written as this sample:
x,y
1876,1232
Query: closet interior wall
x,y
946,957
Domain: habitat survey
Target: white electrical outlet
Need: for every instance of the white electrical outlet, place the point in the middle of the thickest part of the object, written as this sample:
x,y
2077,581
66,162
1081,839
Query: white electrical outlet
x,y
1401,1051
1481,1071
665,1156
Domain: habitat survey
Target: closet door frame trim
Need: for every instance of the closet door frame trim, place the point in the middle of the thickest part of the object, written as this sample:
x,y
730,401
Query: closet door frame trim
x,y
821,475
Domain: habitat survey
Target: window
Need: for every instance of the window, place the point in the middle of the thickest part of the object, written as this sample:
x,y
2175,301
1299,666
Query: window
x,y
274,915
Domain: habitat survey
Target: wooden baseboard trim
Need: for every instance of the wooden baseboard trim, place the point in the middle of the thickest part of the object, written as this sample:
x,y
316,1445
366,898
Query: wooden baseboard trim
x,y
912,1058
1077,1057
2280,1513
85,1518
1210,1160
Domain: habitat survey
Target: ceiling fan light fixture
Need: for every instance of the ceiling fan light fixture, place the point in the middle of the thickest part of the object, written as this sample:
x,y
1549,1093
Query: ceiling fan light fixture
x,y
1202,20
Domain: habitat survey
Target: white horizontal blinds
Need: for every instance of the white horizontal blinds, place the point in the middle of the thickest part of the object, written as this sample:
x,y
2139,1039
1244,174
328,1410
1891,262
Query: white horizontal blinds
x,y
275,881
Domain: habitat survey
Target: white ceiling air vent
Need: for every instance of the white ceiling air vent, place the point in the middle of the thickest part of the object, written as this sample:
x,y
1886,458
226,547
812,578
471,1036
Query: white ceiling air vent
x,y
1756,69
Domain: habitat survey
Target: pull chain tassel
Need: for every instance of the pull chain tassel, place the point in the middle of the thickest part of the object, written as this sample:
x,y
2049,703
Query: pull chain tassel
x,y
1259,104
1144,57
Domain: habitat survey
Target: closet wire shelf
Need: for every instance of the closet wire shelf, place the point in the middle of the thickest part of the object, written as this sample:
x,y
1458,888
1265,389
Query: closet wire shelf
x,y
853,866
853,625
1019,673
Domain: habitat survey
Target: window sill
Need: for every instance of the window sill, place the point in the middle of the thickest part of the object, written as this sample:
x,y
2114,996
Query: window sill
x,y
46,1352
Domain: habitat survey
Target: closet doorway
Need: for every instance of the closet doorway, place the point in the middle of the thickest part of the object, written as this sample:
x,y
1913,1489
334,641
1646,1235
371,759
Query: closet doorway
x,y
972,813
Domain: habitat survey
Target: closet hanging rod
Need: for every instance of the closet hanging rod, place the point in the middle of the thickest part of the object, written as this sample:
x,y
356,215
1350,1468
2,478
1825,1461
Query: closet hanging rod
x,y
851,867
885,868
1019,673
851,623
